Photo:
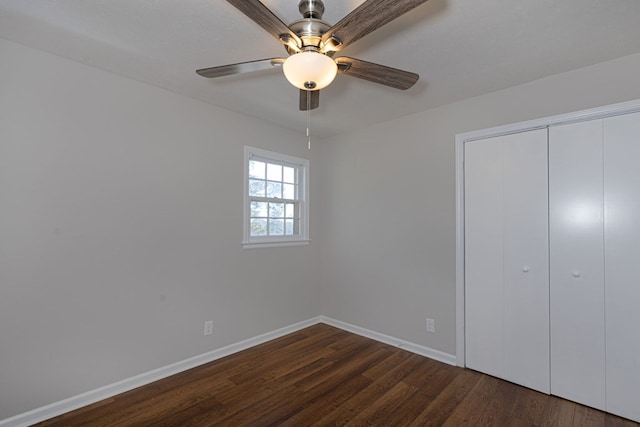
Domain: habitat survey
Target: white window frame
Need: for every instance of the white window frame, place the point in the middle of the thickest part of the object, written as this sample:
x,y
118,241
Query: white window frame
x,y
302,238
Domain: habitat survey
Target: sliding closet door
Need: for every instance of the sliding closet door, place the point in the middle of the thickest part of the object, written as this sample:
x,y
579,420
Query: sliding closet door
x,y
622,255
577,263
506,258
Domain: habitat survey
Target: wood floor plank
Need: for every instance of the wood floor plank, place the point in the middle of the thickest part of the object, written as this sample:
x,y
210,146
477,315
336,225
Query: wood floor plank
x,y
309,390
588,417
384,367
180,416
468,412
354,364
243,397
437,412
530,405
325,376
359,402
432,377
560,412
500,409
315,409
309,349
611,420
381,408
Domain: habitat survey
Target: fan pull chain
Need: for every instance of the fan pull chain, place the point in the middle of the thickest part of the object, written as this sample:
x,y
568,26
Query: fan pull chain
x,y
308,120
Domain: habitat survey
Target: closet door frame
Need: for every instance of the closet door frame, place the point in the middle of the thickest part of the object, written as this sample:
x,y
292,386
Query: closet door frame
x,y
460,141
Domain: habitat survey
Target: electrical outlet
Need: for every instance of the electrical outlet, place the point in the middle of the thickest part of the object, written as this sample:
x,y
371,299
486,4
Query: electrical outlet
x,y
208,327
431,325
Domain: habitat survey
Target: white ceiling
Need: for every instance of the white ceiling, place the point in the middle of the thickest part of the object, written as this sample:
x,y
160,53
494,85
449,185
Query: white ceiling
x,y
460,48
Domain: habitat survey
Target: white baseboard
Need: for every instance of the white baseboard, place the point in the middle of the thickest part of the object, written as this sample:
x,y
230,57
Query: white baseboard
x,y
58,408
438,355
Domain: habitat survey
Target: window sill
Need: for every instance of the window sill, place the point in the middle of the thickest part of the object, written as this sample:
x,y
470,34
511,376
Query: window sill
x,y
254,245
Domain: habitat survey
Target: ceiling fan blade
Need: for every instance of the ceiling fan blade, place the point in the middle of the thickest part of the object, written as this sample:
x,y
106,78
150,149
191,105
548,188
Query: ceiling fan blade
x,y
309,99
366,18
241,67
376,73
262,16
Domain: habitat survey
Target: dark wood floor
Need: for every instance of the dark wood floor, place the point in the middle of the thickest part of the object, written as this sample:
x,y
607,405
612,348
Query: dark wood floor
x,y
324,376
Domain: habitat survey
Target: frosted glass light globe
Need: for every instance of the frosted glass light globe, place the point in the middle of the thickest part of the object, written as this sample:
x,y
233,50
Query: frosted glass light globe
x,y
309,70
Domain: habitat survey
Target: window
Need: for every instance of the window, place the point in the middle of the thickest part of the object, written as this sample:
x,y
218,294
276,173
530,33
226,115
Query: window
x,y
276,199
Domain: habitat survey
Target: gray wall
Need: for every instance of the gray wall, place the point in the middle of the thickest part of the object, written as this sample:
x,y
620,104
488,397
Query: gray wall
x,y
120,230
388,215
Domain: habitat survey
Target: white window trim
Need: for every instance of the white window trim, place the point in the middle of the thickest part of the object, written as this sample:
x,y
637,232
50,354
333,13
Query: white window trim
x,y
275,241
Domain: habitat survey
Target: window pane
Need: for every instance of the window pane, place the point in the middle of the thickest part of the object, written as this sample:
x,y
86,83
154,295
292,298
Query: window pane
x,y
290,211
276,210
289,175
256,188
276,227
274,172
259,209
288,227
289,191
258,227
274,189
256,169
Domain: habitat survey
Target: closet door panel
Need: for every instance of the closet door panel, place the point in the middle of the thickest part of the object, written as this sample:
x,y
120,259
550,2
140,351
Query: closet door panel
x,y
526,258
506,258
483,256
577,263
622,255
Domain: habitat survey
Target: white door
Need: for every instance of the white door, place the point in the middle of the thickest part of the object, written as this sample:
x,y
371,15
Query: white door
x,y
577,263
483,177
506,258
622,258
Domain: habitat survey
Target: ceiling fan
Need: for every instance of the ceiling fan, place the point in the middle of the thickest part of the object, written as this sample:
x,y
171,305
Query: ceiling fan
x,y
311,44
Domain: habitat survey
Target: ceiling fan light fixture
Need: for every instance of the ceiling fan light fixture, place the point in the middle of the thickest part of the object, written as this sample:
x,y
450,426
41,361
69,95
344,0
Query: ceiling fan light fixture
x,y
309,70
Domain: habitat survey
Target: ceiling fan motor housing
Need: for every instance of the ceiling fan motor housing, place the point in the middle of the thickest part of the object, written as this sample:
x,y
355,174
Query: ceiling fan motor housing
x,y
311,27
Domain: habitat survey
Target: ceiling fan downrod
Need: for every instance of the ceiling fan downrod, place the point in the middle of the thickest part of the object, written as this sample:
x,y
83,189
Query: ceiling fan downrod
x,y
311,8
